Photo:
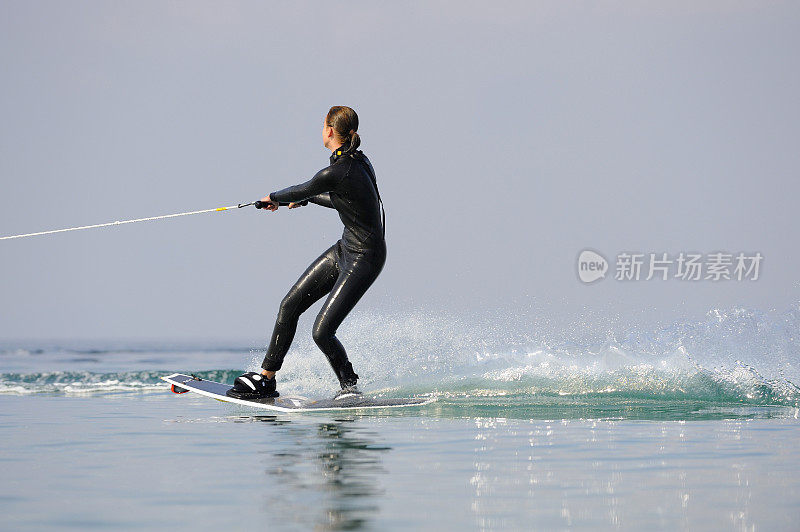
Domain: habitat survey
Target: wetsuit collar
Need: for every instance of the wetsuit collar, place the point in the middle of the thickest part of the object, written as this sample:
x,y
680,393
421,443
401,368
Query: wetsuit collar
x,y
337,153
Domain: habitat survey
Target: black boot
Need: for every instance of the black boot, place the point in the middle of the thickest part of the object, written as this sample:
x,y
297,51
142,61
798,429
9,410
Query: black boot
x,y
252,385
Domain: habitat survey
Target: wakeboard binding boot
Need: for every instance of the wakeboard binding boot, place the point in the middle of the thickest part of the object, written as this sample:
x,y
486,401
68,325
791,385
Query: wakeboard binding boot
x,y
252,385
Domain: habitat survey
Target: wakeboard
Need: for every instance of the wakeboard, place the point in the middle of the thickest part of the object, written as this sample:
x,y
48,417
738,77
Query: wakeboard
x,y
216,390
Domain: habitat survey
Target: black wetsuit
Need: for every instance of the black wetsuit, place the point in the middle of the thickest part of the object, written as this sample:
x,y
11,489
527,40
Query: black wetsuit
x,y
346,270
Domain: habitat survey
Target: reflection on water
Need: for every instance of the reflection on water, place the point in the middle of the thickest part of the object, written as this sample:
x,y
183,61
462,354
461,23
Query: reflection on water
x,y
329,478
610,474
361,473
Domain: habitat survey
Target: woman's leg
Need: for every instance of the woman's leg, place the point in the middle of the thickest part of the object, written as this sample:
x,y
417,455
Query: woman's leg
x,y
352,283
316,281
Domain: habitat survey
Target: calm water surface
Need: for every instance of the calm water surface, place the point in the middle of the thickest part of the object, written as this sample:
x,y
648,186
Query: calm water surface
x,y
154,459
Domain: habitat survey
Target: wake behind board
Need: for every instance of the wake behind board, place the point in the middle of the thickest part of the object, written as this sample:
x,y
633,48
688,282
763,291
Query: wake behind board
x,y
216,390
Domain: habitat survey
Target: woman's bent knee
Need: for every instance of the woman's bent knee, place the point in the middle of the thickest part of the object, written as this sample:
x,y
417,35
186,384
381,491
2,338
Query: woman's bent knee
x,y
322,334
288,309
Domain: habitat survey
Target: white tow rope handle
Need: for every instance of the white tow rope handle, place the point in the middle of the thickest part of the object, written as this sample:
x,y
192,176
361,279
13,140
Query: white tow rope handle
x,y
258,205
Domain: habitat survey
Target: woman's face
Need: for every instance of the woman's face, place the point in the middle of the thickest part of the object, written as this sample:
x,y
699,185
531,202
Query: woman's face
x,y
327,133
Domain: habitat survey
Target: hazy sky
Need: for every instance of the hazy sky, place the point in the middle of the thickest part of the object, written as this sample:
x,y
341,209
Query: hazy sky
x,y
507,137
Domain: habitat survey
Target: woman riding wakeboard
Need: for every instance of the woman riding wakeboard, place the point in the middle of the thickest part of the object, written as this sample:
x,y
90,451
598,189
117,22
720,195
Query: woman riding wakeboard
x,y
344,271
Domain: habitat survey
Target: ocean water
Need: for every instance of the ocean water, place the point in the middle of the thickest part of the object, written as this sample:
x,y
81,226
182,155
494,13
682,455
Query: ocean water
x,y
691,425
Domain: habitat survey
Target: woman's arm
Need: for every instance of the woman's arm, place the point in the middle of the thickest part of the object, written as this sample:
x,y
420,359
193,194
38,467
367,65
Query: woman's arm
x,y
325,181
